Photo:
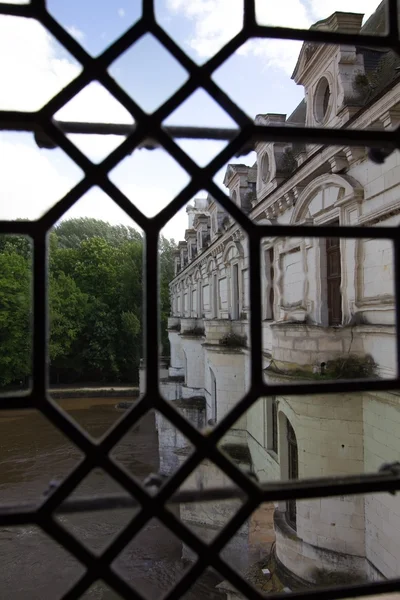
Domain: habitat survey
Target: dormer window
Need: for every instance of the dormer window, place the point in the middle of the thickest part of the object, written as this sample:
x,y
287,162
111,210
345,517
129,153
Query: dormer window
x,y
234,197
322,100
265,172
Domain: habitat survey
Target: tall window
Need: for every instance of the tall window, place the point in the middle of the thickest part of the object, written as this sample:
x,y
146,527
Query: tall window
x,y
272,424
215,296
235,292
185,365
334,279
213,396
270,284
293,468
199,299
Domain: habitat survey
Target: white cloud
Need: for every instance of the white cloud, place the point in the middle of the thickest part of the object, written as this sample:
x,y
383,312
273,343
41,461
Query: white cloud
x,y
76,33
32,180
321,10
217,21
34,69
121,12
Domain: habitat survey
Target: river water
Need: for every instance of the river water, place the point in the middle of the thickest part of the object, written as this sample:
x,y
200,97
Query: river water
x,y
32,453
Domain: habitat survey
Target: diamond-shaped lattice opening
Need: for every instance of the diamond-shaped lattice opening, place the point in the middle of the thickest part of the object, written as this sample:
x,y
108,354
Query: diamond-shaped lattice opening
x,y
276,93
100,591
95,289
27,197
208,327
152,562
96,35
207,518
94,104
238,179
149,73
250,550
200,110
206,586
28,558
16,313
200,29
153,446
36,68
310,342
150,179
35,455
97,530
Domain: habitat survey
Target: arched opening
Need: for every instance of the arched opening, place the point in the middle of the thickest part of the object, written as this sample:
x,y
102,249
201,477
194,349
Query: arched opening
x,y
293,472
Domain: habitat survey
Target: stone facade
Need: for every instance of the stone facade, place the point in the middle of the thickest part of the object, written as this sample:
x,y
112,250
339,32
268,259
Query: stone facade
x,y
324,303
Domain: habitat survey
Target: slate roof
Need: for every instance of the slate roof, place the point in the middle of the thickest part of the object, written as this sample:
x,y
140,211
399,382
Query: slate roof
x,y
252,174
380,66
377,21
298,116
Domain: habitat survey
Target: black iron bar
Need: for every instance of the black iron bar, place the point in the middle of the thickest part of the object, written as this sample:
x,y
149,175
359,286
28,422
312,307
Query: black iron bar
x,y
322,487
21,121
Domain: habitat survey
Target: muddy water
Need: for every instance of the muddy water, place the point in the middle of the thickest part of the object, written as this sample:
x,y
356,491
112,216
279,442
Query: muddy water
x,y
32,453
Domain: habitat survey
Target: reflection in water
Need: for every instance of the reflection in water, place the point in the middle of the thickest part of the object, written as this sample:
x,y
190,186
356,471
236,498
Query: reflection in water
x,y
32,453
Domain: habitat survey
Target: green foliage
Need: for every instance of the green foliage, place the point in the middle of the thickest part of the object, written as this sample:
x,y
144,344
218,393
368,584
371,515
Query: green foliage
x,y
351,367
95,301
195,331
72,232
233,340
14,316
166,250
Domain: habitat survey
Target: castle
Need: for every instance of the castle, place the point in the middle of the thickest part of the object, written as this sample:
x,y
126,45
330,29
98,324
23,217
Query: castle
x,y
328,311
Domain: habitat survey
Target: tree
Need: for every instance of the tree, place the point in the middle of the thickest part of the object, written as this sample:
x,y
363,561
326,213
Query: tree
x,y
68,310
166,251
72,232
95,302
15,326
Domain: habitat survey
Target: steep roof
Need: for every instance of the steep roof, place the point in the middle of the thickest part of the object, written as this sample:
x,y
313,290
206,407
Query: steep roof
x,y
376,24
380,65
298,116
252,174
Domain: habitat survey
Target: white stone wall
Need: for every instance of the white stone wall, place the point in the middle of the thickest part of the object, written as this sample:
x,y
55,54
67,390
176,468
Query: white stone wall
x,y
335,435
229,370
195,361
382,511
377,268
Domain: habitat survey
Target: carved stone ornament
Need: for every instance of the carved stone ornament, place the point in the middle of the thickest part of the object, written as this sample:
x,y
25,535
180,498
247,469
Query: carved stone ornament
x,y
309,50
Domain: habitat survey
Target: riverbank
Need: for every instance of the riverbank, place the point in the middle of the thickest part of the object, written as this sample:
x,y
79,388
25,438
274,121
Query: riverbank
x,y
62,392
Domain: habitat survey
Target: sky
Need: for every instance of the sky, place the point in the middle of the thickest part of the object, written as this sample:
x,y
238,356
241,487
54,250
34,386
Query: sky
x,y
35,66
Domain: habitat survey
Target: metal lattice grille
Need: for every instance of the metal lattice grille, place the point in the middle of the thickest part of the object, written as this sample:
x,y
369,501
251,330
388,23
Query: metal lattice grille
x,y
148,131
